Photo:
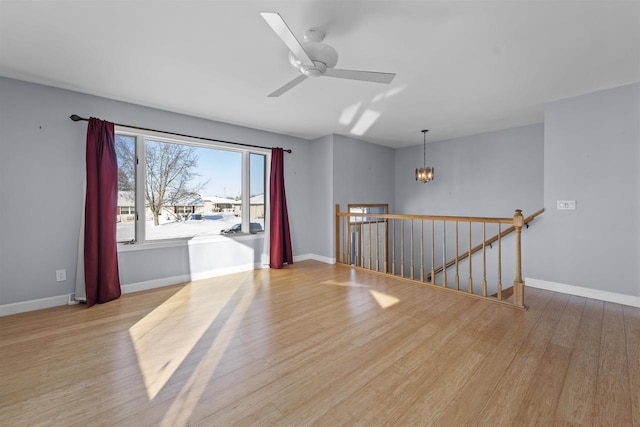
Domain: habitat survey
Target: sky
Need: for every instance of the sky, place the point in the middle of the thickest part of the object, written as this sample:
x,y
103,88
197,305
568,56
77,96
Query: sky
x,y
223,170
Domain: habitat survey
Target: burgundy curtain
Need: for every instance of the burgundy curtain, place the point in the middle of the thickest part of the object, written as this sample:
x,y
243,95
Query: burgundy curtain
x,y
102,281
280,250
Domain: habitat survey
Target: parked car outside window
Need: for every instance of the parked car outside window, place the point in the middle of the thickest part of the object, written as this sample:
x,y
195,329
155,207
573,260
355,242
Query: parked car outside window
x,y
254,228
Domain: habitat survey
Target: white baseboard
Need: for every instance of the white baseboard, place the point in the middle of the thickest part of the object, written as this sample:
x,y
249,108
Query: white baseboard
x,y
320,258
176,280
623,299
39,304
228,270
300,258
155,283
35,304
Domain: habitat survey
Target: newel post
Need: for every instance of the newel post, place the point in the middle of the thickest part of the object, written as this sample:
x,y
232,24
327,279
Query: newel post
x,y
337,233
518,284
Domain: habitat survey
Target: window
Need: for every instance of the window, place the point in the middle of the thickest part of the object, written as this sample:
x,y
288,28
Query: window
x,y
256,190
188,188
184,210
125,218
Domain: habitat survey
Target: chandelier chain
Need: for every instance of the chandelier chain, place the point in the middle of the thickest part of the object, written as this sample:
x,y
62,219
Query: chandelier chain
x,y
424,147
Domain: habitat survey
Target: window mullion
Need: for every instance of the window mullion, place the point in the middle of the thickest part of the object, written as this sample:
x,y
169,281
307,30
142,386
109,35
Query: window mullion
x,y
245,192
141,182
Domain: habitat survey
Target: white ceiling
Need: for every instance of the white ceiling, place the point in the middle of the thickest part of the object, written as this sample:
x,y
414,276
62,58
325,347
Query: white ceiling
x,y
462,67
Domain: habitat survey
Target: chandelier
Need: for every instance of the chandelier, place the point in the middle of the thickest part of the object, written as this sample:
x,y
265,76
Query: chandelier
x,y
425,173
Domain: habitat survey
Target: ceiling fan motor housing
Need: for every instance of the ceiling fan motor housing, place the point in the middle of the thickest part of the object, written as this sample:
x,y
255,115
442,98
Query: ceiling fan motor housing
x,y
322,55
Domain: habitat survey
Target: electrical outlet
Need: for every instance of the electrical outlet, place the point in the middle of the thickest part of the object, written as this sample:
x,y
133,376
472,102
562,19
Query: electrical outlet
x,y
61,275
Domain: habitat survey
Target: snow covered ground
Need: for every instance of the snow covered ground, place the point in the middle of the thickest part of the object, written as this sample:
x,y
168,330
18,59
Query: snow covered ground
x,y
171,229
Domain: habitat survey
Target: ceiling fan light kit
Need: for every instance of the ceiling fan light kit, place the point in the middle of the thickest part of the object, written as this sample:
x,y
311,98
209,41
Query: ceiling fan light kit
x,y
313,58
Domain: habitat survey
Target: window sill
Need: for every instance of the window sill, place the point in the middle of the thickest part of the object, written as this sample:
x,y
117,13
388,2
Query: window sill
x,y
171,243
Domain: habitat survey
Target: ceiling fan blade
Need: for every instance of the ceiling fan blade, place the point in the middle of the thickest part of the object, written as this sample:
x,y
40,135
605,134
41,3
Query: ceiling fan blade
x,y
280,27
367,76
287,86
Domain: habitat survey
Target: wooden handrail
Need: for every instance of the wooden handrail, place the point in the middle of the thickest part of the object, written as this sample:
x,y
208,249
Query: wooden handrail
x,y
489,241
429,217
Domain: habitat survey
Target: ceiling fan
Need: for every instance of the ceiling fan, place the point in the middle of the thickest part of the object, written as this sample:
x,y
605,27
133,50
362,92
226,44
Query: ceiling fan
x,y
314,58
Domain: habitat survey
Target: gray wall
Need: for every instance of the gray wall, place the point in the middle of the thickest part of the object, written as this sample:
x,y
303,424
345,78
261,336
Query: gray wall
x,y
490,174
321,168
346,170
362,173
592,155
588,150
41,176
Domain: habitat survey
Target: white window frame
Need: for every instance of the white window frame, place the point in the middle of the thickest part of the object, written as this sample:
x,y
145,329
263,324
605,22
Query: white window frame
x,y
140,183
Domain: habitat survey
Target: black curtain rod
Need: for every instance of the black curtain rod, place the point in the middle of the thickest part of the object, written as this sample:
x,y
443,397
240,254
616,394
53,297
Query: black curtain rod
x,y
77,118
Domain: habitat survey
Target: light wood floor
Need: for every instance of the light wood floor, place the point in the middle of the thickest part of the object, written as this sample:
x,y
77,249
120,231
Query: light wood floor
x,y
323,345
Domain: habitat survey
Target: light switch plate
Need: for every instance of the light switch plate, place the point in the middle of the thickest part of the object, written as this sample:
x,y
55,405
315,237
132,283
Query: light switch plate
x,y
566,205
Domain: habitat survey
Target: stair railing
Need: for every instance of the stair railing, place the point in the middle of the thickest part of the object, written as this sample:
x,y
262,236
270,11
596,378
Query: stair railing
x,y
398,245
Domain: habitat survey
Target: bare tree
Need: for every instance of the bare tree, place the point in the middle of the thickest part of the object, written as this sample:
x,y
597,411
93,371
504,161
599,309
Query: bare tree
x,y
125,151
170,174
170,170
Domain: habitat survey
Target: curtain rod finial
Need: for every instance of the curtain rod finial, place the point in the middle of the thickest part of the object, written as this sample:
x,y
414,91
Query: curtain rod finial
x,y
75,117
